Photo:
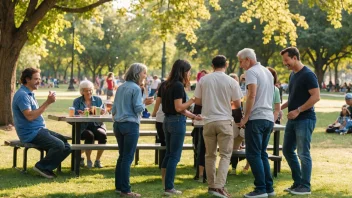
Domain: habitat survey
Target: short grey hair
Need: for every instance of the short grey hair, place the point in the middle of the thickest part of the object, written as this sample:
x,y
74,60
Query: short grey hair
x,y
84,85
133,72
247,53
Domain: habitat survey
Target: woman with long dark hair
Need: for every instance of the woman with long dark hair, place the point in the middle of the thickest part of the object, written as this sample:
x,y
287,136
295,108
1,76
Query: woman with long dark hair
x,y
173,98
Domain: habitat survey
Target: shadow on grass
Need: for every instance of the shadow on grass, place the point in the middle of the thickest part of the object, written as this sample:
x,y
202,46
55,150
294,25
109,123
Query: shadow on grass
x,y
144,179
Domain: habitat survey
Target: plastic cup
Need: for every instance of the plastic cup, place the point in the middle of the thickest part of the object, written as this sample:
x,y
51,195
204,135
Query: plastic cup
x,y
97,111
94,110
71,111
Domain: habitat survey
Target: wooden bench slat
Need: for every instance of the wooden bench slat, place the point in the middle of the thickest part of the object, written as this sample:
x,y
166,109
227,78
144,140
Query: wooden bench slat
x,y
242,153
155,146
143,133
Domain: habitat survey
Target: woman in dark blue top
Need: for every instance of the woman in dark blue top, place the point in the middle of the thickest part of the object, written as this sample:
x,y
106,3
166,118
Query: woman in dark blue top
x,y
173,98
94,130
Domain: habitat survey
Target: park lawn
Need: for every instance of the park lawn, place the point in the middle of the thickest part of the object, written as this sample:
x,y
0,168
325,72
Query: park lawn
x,y
332,170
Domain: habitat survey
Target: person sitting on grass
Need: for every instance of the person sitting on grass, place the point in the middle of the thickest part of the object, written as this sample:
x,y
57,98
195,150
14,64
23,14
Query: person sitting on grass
x,y
30,124
90,131
342,123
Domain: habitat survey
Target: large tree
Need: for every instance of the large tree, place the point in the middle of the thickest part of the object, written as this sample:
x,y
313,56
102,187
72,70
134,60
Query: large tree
x,y
21,20
322,45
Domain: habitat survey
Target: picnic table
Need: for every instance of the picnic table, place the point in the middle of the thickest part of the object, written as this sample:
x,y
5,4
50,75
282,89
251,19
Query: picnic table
x,y
76,122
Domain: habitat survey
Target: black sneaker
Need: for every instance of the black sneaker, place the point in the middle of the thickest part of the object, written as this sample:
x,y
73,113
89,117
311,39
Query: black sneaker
x,y
289,189
52,173
256,194
301,190
43,172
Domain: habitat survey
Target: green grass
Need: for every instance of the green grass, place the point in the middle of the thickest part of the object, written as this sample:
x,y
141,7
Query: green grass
x,y
332,170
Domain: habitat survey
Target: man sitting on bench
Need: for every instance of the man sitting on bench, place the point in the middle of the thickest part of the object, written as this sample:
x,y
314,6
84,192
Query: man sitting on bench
x,y
30,124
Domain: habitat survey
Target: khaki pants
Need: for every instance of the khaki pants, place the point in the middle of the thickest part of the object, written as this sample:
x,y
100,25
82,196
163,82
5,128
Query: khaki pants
x,y
218,133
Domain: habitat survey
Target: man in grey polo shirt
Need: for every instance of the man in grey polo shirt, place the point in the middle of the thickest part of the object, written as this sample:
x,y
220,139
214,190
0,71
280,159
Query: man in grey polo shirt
x,y
30,124
258,120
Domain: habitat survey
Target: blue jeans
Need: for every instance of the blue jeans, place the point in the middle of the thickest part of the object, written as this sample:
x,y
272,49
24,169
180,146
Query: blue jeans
x,y
56,146
175,130
298,134
257,135
152,92
127,134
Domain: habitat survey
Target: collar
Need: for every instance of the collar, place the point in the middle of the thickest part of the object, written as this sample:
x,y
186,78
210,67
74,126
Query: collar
x,y
82,98
258,63
25,89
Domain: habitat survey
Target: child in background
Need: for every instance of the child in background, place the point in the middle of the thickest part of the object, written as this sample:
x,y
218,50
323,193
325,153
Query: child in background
x,y
342,121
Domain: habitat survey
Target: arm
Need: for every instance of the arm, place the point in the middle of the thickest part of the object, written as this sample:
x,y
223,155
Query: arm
x,y
156,106
284,106
191,115
314,98
34,114
138,106
179,106
251,93
276,111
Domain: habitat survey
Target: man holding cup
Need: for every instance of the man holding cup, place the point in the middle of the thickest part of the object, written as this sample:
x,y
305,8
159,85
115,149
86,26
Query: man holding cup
x,y
30,124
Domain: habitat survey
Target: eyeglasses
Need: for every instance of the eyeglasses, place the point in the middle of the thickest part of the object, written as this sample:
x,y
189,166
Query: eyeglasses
x,y
88,90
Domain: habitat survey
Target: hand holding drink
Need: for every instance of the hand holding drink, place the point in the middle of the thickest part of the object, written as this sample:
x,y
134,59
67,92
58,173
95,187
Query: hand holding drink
x,y
51,97
149,100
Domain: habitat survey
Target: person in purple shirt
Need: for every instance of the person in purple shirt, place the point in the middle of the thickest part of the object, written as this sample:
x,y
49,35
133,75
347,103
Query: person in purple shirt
x,y
30,124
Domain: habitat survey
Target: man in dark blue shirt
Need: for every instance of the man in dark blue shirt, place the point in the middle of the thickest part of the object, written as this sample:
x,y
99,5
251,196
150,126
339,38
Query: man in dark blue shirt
x,y
30,124
303,94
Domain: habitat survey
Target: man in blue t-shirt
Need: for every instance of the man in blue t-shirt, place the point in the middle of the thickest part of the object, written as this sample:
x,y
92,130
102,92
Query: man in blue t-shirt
x,y
30,124
303,94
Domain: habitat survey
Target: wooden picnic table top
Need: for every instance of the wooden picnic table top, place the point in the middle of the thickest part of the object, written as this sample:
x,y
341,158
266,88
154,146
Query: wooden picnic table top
x,y
108,118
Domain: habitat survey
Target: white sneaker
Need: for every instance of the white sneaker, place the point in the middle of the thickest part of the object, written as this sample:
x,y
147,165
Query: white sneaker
x,y
172,192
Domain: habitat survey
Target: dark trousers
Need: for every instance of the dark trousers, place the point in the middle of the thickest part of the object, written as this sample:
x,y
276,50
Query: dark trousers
x,y
175,130
160,139
127,134
56,146
257,135
199,149
92,133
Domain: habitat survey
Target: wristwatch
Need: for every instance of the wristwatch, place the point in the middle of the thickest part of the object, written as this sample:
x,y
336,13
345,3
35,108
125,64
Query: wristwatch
x,y
299,109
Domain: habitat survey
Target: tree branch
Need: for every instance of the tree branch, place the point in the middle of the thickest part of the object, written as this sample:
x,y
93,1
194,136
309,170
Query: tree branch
x,y
310,55
38,15
31,8
82,9
343,55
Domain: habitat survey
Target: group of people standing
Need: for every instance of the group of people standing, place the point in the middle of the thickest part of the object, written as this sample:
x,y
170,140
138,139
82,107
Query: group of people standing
x,y
218,94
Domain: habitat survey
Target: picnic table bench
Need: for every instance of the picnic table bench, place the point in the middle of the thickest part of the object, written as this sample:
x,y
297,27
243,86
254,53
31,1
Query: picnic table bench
x,y
17,144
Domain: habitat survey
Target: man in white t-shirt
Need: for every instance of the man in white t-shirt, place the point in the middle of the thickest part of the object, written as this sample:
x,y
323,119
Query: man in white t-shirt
x,y
258,120
214,92
154,86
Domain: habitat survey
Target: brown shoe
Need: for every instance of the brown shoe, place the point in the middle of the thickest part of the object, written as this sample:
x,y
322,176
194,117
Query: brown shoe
x,y
130,194
219,192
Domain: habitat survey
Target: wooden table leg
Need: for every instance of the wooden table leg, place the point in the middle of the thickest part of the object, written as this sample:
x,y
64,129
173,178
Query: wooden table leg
x,y
276,151
77,152
73,152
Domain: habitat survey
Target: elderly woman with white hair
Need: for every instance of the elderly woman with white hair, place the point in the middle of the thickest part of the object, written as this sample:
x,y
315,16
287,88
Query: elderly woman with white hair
x,y
93,130
127,110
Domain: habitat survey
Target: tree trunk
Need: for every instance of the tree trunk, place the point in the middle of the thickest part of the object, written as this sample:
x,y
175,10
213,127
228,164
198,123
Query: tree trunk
x,y
8,60
320,76
336,66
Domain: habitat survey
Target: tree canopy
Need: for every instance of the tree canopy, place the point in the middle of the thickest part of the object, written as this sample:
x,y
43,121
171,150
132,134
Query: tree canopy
x,y
32,21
